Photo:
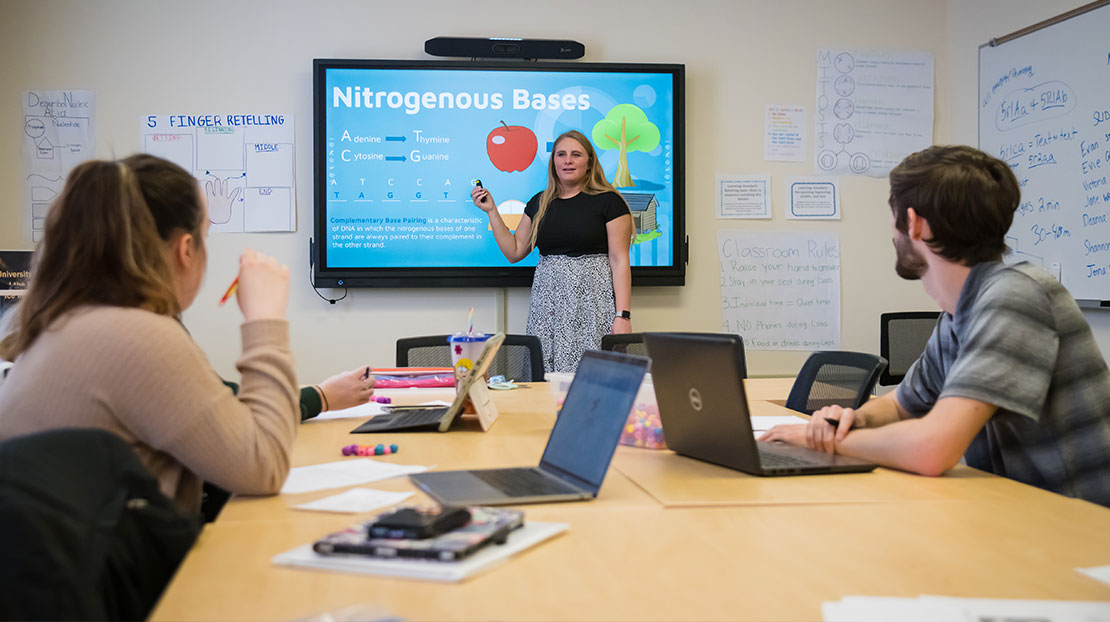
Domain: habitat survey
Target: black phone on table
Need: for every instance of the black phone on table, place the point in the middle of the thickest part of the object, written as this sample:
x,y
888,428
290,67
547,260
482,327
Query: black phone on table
x,y
417,523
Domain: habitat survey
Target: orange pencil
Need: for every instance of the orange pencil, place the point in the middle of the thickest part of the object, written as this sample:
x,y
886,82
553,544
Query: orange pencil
x,y
230,290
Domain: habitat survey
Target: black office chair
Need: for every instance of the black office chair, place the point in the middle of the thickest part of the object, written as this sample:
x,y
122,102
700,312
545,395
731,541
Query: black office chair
x,y
835,378
520,357
85,531
902,339
627,343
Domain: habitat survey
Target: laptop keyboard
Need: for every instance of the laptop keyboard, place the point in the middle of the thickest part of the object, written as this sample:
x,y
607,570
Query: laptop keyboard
x,y
421,416
515,482
773,460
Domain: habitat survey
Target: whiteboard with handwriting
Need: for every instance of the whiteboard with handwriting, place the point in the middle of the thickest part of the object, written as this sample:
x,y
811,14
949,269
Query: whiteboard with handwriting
x,y
1044,108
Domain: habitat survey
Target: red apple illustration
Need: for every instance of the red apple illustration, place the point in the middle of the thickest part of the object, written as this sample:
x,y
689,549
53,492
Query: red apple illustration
x,y
511,147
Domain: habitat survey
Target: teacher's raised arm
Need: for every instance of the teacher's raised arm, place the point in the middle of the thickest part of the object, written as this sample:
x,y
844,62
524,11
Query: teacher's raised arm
x,y
514,245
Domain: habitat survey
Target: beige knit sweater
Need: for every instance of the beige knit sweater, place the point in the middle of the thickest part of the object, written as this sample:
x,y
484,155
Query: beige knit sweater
x,y
140,375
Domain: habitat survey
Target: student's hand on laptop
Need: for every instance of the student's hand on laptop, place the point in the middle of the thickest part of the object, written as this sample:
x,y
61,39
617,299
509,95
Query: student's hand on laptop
x,y
349,388
822,434
796,434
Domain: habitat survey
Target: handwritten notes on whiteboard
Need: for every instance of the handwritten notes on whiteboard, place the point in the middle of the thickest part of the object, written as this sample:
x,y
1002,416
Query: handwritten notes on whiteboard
x,y
781,291
244,162
1044,109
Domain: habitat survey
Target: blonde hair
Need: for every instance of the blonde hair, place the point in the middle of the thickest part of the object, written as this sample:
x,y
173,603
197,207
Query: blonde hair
x,y
105,243
595,179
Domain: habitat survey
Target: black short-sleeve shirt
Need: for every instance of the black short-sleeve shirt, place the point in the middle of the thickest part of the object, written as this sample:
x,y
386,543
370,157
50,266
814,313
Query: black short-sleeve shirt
x,y
576,226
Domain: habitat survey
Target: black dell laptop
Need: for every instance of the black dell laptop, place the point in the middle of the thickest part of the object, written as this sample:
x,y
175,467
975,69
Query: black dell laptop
x,y
699,385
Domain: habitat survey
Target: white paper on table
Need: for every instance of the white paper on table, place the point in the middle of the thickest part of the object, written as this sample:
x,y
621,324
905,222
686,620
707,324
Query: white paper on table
x,y
766,423
343,473
926,608
355,500
367,410
529,535
1020,609
1098,573
886,608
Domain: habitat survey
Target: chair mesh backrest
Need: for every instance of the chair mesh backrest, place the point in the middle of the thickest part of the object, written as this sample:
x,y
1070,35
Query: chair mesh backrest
x,y
519,357
633,343
902,339
628,343
429,356
835,379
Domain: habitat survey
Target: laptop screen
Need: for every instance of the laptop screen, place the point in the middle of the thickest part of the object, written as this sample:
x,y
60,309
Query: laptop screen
x,y
594,412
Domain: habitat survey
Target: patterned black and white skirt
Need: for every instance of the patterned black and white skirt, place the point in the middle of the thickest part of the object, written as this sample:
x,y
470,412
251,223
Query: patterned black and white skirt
x,y
572,307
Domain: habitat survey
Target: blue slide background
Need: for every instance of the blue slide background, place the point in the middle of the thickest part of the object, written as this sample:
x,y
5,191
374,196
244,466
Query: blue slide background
x,y
421,187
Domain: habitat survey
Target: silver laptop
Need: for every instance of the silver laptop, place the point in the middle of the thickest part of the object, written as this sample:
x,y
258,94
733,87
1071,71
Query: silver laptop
x,y
699,384
578,451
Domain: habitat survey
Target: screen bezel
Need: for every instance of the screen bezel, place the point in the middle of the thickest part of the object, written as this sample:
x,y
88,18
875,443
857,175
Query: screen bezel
x,y
506,276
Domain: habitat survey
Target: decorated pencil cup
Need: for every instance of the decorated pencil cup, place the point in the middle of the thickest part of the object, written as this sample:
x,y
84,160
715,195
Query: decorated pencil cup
x,y
465,350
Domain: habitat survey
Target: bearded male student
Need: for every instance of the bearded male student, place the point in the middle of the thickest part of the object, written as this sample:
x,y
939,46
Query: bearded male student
x,y
1012,378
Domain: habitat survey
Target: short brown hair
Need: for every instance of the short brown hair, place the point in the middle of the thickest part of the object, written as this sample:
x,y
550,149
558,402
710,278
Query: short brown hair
x,y
967,197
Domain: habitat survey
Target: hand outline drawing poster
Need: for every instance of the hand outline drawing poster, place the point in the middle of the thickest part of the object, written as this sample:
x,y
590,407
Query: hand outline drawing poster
x,y
58,134
873,109
244,163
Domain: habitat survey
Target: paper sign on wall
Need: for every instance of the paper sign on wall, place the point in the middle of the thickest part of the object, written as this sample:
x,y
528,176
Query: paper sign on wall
x,y
781,291
244,162
784,133
813,198
873,109
743,196
58,134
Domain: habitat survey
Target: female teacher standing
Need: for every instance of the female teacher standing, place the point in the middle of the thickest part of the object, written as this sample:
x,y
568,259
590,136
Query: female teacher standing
x,y
582,228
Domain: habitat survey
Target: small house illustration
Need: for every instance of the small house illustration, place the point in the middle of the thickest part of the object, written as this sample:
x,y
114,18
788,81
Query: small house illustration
x,y
643,206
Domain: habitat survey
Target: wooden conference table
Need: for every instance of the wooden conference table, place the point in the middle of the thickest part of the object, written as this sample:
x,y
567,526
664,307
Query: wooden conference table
x,y
668,538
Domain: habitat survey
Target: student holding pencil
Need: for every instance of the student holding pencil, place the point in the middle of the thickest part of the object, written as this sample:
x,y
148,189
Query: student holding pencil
x,y
98,341
343,390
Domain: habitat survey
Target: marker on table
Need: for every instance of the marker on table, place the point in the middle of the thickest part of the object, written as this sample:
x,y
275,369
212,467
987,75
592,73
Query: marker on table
x,y
230,290
836,423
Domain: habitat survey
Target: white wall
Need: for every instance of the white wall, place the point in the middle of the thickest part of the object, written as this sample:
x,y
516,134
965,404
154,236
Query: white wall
x,y
161,57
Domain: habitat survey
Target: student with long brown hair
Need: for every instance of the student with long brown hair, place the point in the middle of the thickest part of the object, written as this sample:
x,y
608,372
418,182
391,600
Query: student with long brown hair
x,y
98,341
583,229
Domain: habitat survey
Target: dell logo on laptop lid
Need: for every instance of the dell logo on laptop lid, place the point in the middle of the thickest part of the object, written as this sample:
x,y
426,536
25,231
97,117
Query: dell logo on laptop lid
x,y
695,399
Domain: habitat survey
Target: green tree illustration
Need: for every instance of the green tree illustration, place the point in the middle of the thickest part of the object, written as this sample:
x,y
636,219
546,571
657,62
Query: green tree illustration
x,y
627,128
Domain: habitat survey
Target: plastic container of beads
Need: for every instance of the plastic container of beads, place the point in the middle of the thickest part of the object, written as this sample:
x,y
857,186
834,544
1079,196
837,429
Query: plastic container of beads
x,y
642,429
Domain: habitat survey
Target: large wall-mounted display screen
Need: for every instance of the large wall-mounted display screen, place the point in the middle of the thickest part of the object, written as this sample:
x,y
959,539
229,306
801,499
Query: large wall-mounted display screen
x,y
400,144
